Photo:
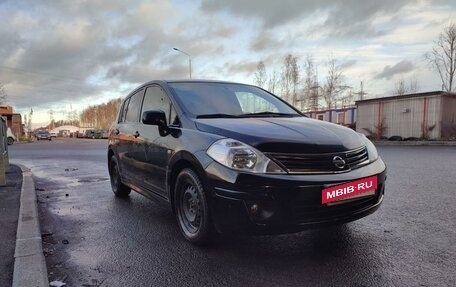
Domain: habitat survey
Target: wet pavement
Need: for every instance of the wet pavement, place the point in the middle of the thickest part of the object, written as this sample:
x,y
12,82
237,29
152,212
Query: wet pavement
x,y
92,238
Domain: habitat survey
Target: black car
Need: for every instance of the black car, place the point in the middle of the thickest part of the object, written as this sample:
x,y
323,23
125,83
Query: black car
x,y
43,135
233,158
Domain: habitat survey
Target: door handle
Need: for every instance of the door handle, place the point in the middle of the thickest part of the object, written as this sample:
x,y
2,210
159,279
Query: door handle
x,y
136,134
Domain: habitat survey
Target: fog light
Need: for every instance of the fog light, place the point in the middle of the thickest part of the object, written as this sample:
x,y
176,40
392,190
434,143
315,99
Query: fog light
x,y
260,213
254,208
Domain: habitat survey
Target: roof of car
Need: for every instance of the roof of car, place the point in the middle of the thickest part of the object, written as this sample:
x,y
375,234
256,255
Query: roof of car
x,y
182,81
191,81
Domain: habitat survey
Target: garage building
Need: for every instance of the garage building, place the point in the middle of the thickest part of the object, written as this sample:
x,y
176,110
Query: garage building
x,y
430,115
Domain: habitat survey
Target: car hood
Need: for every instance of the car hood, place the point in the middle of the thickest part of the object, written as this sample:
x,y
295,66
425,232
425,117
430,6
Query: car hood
x,y
284,135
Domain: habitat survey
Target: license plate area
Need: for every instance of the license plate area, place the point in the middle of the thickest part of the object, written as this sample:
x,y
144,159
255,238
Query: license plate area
x,y
349,191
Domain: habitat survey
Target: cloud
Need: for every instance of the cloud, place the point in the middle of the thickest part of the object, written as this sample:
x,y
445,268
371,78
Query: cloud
x,y
350,18
264,41
271,13
244,67
399,68
348,64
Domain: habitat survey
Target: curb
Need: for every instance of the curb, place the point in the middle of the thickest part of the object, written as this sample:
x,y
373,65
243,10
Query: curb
x,y
29,263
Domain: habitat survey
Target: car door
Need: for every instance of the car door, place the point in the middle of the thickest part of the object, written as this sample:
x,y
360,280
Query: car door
x,y
156,149
128,137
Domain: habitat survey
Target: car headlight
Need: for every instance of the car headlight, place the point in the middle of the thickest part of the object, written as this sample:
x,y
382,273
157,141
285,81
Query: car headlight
x,y
371,149
237,155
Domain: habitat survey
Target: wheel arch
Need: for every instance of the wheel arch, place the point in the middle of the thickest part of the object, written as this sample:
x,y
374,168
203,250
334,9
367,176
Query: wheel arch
x,y
178,163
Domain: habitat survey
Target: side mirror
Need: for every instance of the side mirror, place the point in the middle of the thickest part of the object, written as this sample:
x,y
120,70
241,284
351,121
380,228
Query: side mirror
x,y
155,118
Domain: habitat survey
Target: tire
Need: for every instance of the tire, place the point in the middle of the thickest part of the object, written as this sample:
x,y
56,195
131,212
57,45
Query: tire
x,y
9,140
192,210
119,189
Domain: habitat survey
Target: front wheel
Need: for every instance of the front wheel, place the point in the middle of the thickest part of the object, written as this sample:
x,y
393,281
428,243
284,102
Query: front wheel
x,y
192,210
119,189
9,140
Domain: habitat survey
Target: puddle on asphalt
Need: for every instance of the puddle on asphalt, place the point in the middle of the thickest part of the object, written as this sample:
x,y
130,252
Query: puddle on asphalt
x,y
92,179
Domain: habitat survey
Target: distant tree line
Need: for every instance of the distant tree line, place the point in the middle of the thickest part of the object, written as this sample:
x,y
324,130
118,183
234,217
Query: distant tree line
x,y
100,116
55,124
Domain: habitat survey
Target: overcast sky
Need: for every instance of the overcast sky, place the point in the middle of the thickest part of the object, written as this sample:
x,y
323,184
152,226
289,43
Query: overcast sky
x,y
66,55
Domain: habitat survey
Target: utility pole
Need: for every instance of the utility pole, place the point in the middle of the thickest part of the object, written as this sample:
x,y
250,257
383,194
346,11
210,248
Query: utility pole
x,y
361,93
30,120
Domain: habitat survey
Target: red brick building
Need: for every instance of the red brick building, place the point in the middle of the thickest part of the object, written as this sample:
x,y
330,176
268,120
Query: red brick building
x,y
13,120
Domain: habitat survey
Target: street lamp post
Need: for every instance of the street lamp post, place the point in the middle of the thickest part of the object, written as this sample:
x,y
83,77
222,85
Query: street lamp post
x,y
189,61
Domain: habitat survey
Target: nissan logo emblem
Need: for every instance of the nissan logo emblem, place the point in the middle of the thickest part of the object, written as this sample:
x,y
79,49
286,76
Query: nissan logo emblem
x,y
338,162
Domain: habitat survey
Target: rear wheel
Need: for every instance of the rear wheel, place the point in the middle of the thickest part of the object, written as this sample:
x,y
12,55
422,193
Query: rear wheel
x,y
9,140
192,210
119,189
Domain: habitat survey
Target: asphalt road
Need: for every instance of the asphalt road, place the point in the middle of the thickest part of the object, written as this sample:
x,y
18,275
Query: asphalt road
x,y
92,238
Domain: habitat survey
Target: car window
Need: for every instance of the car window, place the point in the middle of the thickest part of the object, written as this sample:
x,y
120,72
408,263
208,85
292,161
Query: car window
x,y
123,111
225,98
134,107
156,99
252,103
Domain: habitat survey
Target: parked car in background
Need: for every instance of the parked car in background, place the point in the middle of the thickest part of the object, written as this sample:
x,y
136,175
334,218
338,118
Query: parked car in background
x,y
89,133
10,137
64,133
231,158
98,134
43,135
105,134
94,134
53,134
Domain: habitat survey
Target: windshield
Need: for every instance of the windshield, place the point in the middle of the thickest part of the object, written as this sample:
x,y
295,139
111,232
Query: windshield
x,y
211,100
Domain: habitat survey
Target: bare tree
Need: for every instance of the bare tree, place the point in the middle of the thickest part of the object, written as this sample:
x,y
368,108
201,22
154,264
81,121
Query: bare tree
x,y
443,57
401,87
290,78
3,94
334,83
413,85
260,75
273,82
100,116
295,81
310,84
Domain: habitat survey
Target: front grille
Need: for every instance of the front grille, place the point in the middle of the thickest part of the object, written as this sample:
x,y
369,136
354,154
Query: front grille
x,y
320,163
308,212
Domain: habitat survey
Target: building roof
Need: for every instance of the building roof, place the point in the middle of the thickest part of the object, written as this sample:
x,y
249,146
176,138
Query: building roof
x,y
416,95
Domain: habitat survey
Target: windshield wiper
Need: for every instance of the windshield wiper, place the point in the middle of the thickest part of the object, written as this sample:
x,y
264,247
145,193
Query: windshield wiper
x,y
214,116
268,114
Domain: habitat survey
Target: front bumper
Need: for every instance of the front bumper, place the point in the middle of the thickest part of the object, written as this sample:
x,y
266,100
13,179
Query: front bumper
x,y
270,204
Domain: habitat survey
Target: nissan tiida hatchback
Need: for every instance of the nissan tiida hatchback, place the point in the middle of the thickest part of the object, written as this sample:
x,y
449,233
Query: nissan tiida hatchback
x,y
233,158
